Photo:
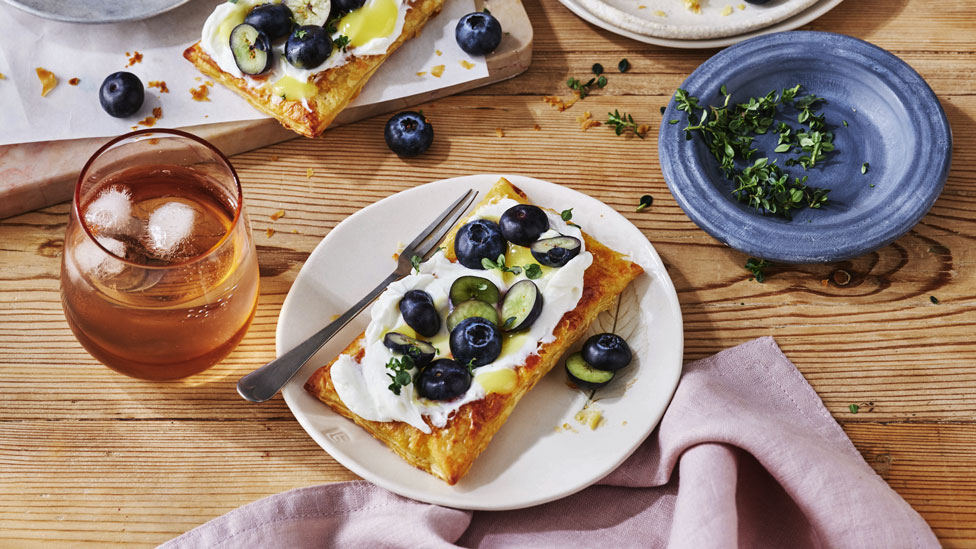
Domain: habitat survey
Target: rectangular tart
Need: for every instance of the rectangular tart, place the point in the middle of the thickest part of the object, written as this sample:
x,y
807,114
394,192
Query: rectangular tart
x,y
334,87
448,452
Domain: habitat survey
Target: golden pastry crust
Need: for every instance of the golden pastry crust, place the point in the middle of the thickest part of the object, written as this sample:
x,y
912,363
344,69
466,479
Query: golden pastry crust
x,y
450,451
336,86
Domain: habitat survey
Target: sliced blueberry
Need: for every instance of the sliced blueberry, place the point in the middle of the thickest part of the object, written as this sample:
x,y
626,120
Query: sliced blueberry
x,y
309,12
607,352
584,375
417,308
408,134
121,94
477,240
274,20
420,351
474,287
251,48
556,251
522,306
523,224
472,308
476,341
346,6
478,33
308,47
443,379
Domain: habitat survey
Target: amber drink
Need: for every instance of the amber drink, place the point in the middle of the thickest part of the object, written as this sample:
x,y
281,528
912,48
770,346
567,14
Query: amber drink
x,y
159,278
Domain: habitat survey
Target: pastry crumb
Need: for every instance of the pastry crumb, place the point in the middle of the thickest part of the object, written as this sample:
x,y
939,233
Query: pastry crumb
x,y
278,215
499,132
2,76
437,71
586,121
150,120
274,158
642,7
590,416
422,73
200,93
537,127
161,84
48,80
693,5
660,13
742,7
727,10
74,81
294,231
439,53
558,103
467,64
134,57
309,173
270,232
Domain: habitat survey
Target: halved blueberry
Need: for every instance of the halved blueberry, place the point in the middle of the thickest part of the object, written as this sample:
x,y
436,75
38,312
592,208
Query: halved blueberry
x,y
476,341
443,379
523,224
478,240
584,375
308,47
251,48
417,308
478,33
309,12
420,351
274,20
474,287
522,306
556,251
607,352
121,94
472,308
408,134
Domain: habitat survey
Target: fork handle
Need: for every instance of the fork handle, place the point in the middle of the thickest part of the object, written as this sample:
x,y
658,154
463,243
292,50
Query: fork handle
x,y
262,384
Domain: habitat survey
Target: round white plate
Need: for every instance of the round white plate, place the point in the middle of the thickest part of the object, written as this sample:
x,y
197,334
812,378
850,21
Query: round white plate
x,y
95,11
798,20
534,458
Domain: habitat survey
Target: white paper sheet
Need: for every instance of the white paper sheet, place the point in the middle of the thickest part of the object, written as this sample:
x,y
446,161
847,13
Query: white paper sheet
x,y
92,52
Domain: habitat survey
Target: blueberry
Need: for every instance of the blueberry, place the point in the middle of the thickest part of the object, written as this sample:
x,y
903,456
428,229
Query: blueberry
x,y
478,33
274,20
476,341
308,47
607,352
523,224
251,49
478,240
121,94
408,134
556,251
345,6
417,308
443,379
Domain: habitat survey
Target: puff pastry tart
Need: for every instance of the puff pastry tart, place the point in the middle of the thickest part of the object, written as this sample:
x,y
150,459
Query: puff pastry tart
x,y
307,99
443,437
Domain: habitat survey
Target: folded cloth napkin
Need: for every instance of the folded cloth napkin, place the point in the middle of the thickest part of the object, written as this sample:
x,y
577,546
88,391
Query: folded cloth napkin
x,y
745,456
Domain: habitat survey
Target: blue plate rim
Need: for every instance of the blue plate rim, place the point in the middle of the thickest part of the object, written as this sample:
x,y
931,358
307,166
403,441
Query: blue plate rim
x,y
718,214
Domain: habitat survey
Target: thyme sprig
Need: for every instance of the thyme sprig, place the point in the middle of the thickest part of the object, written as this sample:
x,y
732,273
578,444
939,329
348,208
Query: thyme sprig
x,y
400,375
623,122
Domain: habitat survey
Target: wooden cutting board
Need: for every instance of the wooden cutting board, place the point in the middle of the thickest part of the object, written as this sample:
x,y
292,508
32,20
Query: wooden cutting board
x,y
35,175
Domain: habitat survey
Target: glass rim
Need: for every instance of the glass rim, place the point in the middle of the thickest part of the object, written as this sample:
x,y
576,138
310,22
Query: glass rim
x,y
238,211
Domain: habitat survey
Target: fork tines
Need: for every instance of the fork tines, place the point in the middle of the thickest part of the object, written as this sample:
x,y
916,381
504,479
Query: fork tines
x,y
426,242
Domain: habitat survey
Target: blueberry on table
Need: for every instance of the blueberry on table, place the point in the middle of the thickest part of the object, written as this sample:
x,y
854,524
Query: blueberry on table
x,y
421,352
477,240
607,352
443,379
308,47
418,311
523,224
121,94
476,341
274,20
556,251
408,134
251,49
478,33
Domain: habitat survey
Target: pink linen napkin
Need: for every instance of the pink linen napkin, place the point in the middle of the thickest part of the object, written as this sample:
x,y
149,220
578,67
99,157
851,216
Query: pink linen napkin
x,y
745,456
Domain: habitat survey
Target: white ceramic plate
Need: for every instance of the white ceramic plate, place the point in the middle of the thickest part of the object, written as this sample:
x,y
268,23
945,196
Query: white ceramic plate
x,y
534,458
798,20
95,11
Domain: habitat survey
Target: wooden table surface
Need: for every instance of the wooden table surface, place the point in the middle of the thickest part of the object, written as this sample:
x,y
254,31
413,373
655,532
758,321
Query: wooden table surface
x,y
90,456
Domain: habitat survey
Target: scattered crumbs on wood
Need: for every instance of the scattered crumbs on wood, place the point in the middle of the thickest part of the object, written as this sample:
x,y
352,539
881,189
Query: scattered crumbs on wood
x,y
294,231
825,282
270,232
201,92
134,57
437,71
160,84
74,81
277,215
309,173
558,103
537,127
660,13
854,408
439,52
422,73
727,10
48,80
274,158
499,132
934,300
467,64
586,121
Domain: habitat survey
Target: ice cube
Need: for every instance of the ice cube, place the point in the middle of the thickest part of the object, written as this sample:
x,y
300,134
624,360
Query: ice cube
x,y
92,261
111,214
169,226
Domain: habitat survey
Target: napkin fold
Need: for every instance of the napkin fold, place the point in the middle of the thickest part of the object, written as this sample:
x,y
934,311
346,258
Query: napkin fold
x,y
745,456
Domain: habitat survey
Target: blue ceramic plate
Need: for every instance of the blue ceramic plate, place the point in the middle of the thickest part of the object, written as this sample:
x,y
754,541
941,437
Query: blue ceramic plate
x,y
894,123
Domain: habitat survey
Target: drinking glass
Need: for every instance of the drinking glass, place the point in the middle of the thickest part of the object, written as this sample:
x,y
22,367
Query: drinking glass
x,y
159,277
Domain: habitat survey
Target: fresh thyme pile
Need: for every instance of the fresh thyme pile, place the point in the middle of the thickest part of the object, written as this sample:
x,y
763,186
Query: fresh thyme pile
x,y
729,132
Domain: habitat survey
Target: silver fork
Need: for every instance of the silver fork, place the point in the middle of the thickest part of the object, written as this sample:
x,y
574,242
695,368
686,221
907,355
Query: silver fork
x,y
263,383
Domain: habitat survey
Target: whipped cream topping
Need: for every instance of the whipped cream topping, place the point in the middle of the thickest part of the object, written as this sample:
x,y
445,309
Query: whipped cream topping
x,y
364,387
